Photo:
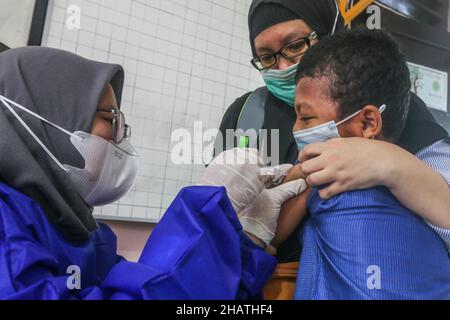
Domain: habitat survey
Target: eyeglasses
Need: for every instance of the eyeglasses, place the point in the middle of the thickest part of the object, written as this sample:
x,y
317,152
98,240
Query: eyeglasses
x,y
120,129
291,51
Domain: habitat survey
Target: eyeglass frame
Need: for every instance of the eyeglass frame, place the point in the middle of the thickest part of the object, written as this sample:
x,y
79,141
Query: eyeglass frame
x,y
116,113
308,39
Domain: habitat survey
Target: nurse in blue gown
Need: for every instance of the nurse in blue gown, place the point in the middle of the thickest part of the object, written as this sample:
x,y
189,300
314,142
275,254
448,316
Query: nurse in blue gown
x,y
59,113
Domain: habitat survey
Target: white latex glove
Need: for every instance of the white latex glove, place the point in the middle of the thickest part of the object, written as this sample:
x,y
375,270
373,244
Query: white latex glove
x,y
239,171
261,218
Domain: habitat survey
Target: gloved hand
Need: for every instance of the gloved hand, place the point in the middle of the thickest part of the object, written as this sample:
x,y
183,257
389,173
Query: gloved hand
x,y
261,218
238,170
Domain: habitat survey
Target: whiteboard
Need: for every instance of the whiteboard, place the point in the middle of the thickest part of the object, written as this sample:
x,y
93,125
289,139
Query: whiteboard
x,y
15,22
185,61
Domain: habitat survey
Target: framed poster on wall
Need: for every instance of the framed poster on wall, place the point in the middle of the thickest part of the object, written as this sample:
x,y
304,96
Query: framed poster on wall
x,y
22,22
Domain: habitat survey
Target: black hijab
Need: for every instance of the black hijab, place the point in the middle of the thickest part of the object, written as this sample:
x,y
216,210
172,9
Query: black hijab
x,y
320,15
65,89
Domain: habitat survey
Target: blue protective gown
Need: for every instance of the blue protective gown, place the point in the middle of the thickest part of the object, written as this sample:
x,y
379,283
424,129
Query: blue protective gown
x,y
197,251
366,245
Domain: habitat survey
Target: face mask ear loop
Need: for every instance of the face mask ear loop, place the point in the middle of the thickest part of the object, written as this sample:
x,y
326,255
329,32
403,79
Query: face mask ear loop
x,y
8,106
4,99
382,109
348,118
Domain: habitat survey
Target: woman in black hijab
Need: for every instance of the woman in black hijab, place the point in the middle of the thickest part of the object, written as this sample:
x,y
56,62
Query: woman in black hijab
x,y
280,33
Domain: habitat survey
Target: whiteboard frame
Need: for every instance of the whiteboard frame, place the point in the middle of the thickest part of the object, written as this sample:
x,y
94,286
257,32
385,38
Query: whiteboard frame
x,y
36,22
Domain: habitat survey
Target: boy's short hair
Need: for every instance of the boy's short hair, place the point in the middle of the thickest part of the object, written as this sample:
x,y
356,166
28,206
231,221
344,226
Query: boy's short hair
x,y
364,67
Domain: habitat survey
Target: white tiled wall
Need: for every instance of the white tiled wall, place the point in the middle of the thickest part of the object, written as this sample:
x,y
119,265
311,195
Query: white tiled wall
x,y
185,61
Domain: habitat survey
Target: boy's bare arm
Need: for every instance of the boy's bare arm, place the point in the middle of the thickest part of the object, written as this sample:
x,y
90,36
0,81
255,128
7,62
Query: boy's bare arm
x,y
292,213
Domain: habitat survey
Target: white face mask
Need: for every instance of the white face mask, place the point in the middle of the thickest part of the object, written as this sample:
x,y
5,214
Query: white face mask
x,y
323,132
110,169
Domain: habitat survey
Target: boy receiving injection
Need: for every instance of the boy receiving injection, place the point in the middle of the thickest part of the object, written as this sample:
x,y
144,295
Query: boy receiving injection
x,y
356,84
